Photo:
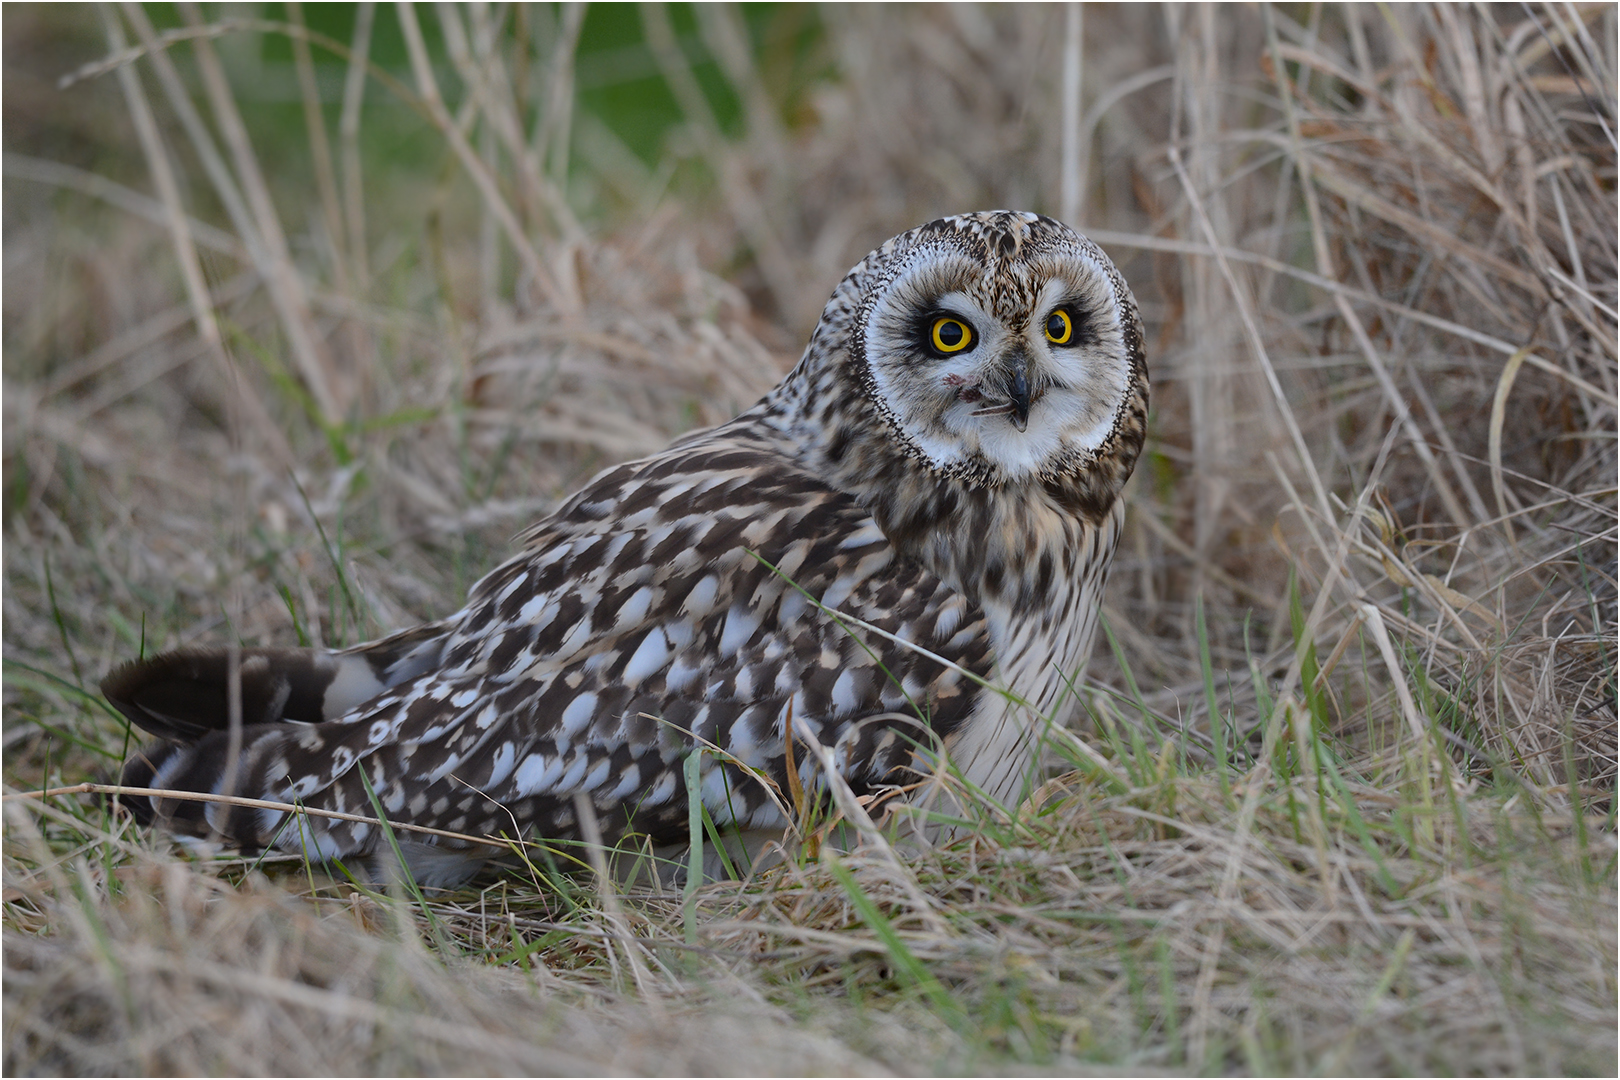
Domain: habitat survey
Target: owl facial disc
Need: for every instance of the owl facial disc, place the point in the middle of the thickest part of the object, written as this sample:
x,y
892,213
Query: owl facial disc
x,y
1003,356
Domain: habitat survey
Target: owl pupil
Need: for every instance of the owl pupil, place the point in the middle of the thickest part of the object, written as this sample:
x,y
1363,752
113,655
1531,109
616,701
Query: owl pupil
x,y
950,334
1057,327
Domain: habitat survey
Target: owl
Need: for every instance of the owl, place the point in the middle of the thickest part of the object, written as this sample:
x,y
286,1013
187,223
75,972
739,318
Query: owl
x,y
897,553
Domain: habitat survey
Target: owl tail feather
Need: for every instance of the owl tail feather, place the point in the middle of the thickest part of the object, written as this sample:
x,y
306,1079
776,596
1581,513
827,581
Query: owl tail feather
x,y
184,698
185,694
205,767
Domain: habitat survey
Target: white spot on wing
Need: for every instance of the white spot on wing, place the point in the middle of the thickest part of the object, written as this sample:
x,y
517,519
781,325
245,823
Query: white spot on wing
x,y
838,591
578,635
652,654
500,766
661,791
681,676
635,608
742,746
446,767
550,556
700,601
787,679
628,782
569,781
680,633
537,774
715,795
517,582
598,776
844,697
792,607
533,609
617,544
787,567
578,714
864,536
740,626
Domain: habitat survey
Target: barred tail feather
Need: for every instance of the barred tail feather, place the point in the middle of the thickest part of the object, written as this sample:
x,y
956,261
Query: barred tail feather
x,y
260,771
205,767
185,694
184,698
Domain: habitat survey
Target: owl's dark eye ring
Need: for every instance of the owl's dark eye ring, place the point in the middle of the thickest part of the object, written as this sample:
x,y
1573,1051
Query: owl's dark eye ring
x,y
1059,327
949,335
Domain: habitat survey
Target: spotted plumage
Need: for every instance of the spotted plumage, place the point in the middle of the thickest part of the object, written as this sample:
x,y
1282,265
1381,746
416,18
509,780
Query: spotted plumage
x,y
942,469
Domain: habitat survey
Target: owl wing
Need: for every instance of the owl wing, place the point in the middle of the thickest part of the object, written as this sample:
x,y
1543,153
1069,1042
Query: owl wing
x,y
683,600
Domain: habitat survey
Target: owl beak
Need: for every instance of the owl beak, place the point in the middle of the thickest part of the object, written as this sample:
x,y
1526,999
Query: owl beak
x,y
1018,392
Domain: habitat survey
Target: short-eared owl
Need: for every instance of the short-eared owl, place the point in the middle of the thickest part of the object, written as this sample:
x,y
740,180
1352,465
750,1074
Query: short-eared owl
x,y
944,464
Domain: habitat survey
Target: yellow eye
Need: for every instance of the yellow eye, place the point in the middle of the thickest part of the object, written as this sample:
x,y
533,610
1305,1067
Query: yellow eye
x,y
951,335
1059,327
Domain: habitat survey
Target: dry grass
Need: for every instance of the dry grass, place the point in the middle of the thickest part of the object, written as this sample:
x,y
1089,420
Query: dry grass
x,y
1346,800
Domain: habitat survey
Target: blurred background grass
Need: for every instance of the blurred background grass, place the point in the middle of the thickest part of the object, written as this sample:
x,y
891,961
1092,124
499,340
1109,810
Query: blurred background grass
x,y
1348,802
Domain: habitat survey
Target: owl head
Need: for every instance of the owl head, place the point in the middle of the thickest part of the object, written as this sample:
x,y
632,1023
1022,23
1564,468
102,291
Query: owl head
x,y
994,347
